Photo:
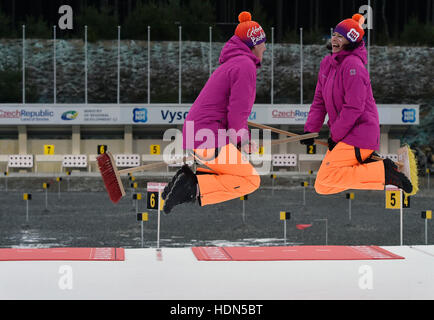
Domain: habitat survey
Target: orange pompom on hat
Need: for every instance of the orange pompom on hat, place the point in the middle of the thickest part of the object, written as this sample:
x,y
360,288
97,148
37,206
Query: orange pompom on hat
x,y
352,29
250,32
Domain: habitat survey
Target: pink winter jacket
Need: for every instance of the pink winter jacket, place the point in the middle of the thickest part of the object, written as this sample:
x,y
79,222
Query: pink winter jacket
x,y
225,101
344,93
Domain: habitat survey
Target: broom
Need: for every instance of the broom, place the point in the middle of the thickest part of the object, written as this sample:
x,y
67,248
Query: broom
x,y
111,175
321,142
406,159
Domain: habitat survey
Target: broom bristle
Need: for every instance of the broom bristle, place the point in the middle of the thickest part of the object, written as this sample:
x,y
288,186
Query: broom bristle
x,y
413,171
409,168
110,177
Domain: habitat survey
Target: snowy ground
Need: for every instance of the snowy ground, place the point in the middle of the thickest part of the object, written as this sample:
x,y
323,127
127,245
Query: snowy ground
x,y
176,275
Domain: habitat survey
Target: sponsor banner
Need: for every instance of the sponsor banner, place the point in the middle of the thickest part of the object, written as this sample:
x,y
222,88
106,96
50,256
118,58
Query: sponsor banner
x,y
42,114
161,114
399,114
171,114
286,114
389,114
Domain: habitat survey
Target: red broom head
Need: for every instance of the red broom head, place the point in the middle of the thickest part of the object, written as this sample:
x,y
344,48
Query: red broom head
x,y
110,176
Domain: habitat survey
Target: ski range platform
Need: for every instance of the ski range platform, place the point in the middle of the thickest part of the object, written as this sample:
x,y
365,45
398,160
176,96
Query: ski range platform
x,y
219,273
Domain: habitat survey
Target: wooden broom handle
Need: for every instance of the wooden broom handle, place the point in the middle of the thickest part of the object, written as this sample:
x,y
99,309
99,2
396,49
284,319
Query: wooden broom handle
x,y
156,165
296,137
151,166
291,134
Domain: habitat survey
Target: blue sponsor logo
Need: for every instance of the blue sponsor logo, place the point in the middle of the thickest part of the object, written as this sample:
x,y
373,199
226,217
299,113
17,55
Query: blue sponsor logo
x,y
172,116
140,115
252,115
408,115
69,115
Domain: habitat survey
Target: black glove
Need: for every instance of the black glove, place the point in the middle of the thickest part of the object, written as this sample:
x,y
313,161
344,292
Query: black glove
x,y
331,143
308,141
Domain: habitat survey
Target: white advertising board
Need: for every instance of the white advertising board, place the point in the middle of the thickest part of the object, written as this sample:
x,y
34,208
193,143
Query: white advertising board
x,y
167,114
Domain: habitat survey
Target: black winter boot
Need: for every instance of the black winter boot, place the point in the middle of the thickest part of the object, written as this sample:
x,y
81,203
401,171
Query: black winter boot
x,y
184,190
396,178
170,184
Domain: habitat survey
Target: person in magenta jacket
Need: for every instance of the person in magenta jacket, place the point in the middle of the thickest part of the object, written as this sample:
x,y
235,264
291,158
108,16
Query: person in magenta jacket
x,y
227,98
344,93
215,130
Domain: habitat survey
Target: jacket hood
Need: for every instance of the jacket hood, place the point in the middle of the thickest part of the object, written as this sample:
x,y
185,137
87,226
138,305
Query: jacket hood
x,y
360,52
236,47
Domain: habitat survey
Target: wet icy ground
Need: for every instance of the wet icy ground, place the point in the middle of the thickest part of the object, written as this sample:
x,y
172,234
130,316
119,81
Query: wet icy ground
x,y
84,216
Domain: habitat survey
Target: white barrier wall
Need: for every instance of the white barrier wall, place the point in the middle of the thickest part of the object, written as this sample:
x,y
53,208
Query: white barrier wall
x,y
172,114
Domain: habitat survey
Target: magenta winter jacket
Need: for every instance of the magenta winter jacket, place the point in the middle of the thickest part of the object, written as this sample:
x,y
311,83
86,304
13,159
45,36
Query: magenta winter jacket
x,y
344,92
225,101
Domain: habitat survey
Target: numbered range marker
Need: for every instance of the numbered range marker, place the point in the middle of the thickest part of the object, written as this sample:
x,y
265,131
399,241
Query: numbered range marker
x,y
153,200
102,148
154,190
143,216
27,196
311,149
350,196
393,199
48,149
155,149
137,196
285,215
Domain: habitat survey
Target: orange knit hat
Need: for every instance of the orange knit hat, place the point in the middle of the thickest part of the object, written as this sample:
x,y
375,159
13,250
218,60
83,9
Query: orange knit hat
x,y
250,32
352,29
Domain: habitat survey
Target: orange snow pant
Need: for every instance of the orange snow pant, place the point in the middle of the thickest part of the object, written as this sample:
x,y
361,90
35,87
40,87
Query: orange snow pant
x,y
229,175
341,169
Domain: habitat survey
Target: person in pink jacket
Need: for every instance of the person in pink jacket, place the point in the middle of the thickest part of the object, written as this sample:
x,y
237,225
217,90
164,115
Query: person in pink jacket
x,y
215,130
344,93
